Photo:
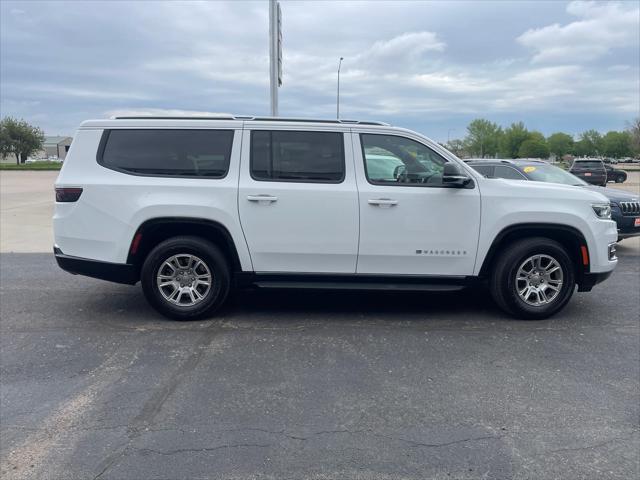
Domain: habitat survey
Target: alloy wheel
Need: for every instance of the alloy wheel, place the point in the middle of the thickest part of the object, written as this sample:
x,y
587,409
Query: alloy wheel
x,y
539,280
184,280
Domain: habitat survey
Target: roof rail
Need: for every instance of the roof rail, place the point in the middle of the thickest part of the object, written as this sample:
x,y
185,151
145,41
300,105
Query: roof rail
x,y
316,120
186,117
249,118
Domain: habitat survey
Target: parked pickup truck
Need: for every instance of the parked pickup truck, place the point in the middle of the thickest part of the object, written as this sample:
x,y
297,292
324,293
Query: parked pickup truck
x,y
193,207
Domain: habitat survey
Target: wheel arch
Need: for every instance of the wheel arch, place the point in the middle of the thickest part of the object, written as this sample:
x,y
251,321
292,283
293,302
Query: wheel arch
x,y
569,237
153,231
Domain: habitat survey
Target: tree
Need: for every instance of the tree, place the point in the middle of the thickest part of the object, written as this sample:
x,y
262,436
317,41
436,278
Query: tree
x,y
560,144
512,139
20,139
617,144
456,146
534,147
634,131
482,138
590,144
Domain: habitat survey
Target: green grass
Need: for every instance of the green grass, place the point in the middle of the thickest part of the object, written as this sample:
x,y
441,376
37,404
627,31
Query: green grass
x,y
31,166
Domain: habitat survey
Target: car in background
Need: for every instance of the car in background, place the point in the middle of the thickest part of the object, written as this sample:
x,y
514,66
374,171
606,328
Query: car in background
x,y
591,170
615,174
625,207
52,158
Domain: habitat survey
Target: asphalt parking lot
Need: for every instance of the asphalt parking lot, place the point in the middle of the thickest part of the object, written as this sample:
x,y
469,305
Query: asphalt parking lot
x,y
326,385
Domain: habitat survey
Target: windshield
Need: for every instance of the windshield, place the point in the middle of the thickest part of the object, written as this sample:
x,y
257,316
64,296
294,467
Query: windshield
x,y
551,174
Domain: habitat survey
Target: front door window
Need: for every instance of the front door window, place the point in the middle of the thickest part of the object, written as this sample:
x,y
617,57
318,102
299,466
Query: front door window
x,y
394,160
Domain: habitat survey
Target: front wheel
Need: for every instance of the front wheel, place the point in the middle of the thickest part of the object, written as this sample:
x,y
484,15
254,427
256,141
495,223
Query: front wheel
x,y
533,278
185,278
620,179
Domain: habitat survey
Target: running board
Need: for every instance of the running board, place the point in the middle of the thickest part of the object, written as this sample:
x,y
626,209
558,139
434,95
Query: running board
x,y
439,287
423,283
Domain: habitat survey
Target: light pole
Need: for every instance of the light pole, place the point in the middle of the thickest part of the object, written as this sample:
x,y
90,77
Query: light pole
x,y
275,54
338,96
449,132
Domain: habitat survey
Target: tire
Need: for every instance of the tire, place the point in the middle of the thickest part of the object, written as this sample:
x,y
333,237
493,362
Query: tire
x,y
183,265
620,179
504,287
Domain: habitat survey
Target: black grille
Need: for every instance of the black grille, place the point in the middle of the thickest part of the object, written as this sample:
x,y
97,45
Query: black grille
x,y
630,208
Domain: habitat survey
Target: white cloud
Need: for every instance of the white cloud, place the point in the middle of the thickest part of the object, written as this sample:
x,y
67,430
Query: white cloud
x,y
53,90
601,27
411,44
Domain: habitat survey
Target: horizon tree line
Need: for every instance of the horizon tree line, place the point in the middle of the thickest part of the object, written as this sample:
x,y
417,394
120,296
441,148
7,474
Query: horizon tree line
x,y
486,139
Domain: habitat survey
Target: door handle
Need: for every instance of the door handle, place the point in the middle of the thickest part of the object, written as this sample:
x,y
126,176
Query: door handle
x,y
262,199
383,202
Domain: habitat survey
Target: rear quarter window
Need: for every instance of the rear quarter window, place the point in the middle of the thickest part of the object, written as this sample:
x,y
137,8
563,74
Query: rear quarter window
x,y
167,153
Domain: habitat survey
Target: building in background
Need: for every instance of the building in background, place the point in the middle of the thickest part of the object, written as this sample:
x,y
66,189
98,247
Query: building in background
x,y
56,147
52,148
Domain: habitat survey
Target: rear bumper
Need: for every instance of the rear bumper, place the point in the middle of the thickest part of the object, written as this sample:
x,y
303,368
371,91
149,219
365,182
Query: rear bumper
x,y
590,279
112,272
593,179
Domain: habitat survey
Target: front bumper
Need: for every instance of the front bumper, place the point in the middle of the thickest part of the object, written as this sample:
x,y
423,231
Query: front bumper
x,y
626,227
112,272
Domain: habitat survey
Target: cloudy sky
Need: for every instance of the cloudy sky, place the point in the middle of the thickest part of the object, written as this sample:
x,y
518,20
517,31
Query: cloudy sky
x,y
429,66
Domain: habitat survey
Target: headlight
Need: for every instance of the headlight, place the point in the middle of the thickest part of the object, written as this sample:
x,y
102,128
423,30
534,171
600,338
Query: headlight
x,y
602,210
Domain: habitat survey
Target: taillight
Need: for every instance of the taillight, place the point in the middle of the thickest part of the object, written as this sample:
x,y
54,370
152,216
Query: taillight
x,y
68,194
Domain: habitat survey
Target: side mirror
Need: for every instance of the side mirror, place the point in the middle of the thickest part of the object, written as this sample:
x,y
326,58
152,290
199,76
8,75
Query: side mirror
x,y
454,177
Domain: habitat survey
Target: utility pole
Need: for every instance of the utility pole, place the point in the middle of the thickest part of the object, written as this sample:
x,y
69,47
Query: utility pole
x,y
275,53
338,96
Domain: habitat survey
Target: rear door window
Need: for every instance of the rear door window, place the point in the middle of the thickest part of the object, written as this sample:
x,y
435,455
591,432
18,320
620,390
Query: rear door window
x,y
163,152
297,156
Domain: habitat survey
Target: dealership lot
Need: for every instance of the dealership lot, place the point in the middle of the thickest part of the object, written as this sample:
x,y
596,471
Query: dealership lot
x,y
312,384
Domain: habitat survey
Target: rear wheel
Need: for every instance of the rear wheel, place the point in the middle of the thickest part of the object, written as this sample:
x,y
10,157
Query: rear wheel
x,y
533,278
185,278
620,178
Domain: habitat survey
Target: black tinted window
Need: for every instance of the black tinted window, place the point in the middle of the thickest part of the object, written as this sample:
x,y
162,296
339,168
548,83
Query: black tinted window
x,y
507,172
188,153
595,164
297,156
486,170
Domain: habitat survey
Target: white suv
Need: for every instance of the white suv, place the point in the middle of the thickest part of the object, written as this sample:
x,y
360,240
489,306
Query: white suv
x,y
192,207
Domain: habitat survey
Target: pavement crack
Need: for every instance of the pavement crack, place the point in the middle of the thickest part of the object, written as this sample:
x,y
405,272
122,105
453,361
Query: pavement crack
x,y
410,442
150,409
203,449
